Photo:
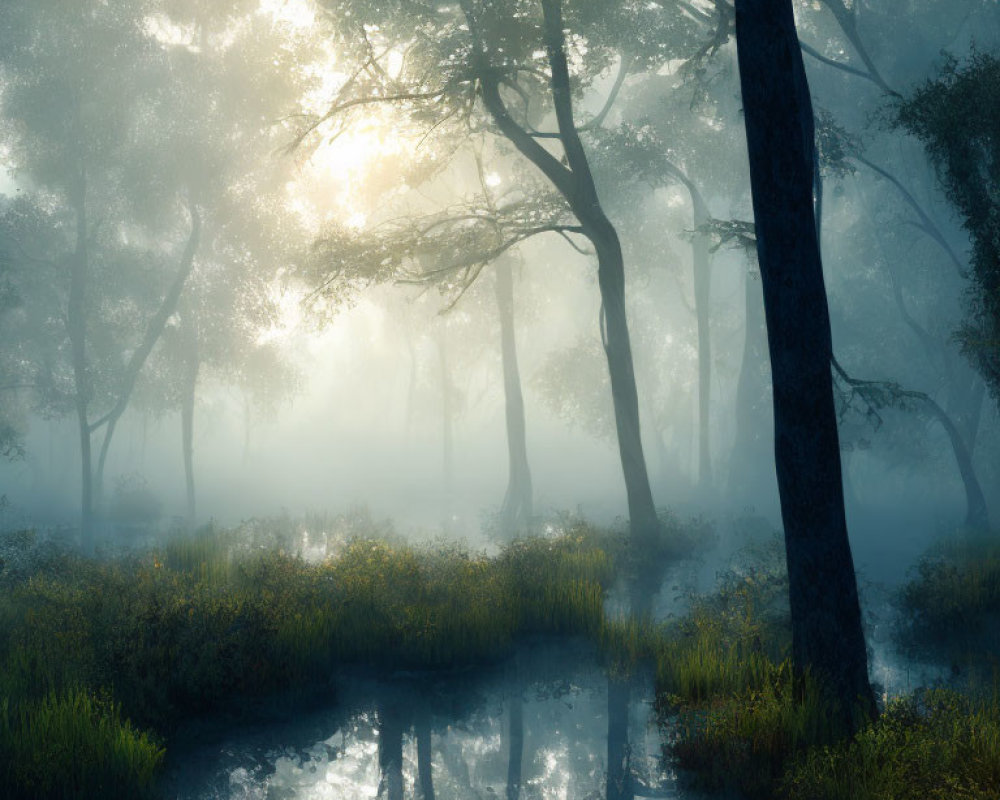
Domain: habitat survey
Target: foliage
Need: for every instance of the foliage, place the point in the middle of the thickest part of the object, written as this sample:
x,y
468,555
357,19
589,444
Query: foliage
x,y
203,623
936,744
956,116
951,606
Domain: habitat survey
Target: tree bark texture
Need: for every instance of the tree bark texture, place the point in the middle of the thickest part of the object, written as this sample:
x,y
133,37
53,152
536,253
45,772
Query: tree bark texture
x,y
827,637
516,511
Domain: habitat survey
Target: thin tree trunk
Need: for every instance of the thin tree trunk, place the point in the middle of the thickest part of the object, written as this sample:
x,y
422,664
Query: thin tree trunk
x,y
139,356
827,637
976,513
191,368
702,300
76,325
702,277
447,431
575,183
516,512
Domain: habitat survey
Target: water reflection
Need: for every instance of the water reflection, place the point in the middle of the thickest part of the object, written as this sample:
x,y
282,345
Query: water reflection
x,y
535,729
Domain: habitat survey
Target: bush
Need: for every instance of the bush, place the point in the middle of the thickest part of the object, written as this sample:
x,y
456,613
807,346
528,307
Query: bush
x,y
951,607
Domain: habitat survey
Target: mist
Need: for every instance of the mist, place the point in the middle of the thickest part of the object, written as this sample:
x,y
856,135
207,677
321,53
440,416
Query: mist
x,y
290,279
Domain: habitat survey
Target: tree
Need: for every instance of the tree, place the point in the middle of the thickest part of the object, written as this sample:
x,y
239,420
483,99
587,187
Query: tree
x,y
491,52
827,637
956,117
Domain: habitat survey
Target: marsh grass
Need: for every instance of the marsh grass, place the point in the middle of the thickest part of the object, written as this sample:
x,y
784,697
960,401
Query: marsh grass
x,y
73,744
933,745
736,720
208,622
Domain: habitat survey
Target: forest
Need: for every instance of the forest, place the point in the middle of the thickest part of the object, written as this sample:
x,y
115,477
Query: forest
x,y
466,399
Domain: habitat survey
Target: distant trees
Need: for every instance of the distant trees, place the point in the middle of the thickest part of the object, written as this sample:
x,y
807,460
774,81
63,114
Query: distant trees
x,y
125,165
827,637
499,55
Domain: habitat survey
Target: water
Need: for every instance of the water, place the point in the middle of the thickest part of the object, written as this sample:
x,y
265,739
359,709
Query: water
x,y
335,753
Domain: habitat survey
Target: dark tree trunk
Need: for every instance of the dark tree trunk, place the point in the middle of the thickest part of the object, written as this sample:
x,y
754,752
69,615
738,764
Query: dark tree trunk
x,y
76,325
619,786
575,183
425,772
192,365
827,637
390,753
516,512
702,277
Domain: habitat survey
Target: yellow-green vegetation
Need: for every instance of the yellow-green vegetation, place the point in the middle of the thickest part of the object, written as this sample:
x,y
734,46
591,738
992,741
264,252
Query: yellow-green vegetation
x,y
207,622
73,744
951,607
736,720
933,745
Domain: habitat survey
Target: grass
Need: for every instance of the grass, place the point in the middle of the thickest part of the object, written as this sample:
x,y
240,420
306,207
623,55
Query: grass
x,y
736,721
933,745
74,744
101,661
208,622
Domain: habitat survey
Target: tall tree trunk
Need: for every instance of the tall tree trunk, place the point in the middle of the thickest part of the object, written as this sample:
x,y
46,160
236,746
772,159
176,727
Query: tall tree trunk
x,y
447,431
702,300
76,325
141,353
516,511
390,752
575,183
425,771
192,366
702,277
827,637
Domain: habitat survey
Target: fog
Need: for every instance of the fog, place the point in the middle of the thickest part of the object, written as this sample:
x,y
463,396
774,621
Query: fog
x,y
253,264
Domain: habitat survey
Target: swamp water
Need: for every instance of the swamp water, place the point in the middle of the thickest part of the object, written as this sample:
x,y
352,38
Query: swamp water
x,y
456,737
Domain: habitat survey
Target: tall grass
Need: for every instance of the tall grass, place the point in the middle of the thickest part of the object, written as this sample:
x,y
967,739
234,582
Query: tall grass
x,y
72,744
934,745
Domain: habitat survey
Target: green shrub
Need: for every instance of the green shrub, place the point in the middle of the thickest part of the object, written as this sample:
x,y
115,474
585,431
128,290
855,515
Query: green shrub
x,y
933,745
951,607
744,742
